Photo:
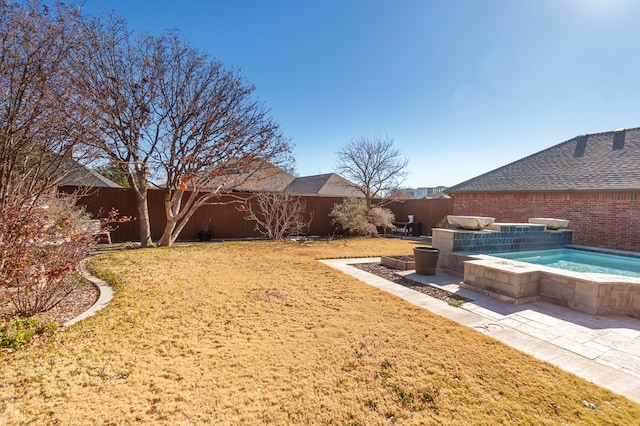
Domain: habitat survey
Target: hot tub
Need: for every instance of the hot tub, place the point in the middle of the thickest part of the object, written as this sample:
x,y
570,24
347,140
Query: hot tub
x,y
587,280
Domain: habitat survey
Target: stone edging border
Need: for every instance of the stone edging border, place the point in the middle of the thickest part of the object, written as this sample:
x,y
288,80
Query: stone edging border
x,y
106,294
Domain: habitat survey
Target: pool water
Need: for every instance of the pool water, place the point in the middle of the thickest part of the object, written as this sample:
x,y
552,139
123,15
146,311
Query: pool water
x,y
578,261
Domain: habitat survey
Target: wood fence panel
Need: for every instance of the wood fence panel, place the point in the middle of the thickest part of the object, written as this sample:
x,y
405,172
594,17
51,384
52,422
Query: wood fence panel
x,y
225,221
99,201
425,210
321,207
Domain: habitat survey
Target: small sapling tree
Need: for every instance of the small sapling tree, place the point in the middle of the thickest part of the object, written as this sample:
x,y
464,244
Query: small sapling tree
x,y
278,215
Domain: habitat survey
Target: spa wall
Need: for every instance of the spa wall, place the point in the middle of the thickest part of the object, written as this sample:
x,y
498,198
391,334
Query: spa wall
x,y
601,219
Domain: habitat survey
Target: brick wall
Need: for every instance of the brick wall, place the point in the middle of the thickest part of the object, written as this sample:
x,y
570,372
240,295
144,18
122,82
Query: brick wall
x,y
602,219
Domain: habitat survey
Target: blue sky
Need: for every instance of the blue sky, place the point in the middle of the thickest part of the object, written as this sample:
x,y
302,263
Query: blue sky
x,y
461,86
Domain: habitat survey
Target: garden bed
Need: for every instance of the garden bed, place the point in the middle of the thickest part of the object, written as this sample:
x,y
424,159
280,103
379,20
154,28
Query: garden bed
x,y
390,275
403,263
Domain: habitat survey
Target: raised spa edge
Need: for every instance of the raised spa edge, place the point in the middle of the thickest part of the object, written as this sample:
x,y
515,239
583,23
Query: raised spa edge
x,y
470,222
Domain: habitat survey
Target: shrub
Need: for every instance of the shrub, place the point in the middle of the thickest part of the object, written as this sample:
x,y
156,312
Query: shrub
x,y
17,332
352,217
279,215
381,217
40,248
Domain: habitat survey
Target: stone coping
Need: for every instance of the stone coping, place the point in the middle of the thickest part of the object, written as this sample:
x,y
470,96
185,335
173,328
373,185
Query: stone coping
x,y
588,292
510,264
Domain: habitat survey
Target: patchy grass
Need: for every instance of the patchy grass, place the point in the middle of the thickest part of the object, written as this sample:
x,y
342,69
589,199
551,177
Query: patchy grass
x,y
261,333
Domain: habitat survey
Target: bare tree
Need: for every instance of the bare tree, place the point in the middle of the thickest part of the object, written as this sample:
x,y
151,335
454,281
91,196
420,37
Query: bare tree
x,y
118,76
279,215
374,165
44,125
173,115
215,137
43,122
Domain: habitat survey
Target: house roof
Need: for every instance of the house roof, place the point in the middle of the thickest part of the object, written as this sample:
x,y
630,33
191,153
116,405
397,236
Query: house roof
x,y
75,174
267,178
257,176
329,184
601,161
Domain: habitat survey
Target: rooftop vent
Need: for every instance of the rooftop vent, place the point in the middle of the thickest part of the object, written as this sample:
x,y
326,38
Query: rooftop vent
x,y
618,139
581,145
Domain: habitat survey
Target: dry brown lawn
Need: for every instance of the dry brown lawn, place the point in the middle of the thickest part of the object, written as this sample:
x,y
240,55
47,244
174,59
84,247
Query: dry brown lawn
x,y
262,333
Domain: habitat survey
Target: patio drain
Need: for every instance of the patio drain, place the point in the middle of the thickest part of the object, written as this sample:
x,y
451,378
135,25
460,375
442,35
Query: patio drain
x,y
488,328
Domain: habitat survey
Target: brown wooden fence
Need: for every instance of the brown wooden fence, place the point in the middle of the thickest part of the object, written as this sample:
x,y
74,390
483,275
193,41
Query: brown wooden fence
x,y
427,211
226,222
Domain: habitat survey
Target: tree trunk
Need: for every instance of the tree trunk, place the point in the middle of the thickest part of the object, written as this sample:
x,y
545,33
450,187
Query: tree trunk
x,y
174,225
178,214
167,239
171,205
143,217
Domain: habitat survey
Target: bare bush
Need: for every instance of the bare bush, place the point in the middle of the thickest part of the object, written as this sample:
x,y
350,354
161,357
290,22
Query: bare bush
x,y
40,248
381,217
111,220
279,215
353,217
46,127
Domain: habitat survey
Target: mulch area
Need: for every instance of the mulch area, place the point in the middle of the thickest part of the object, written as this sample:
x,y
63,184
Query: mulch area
x,y
391,275
78,301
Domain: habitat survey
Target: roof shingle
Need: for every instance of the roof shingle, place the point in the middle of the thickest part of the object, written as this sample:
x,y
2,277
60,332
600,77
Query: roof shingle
x,y
601,161
329,184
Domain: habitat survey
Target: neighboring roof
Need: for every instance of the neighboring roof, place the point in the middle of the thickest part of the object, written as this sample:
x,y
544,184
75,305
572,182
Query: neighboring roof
x,y
75,174
262,176
268,178
329,184
601,161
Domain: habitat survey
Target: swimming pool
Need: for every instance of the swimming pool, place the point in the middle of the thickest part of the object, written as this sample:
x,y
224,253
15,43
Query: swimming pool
x,y
578,261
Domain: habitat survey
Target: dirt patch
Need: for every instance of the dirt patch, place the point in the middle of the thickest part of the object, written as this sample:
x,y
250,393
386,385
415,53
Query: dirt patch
x,y
390,275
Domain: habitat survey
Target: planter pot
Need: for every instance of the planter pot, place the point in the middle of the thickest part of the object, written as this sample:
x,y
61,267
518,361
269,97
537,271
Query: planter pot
x,y
426,259
205,236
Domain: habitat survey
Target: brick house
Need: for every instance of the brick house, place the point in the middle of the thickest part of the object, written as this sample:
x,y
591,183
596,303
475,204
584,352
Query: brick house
x,y
592,180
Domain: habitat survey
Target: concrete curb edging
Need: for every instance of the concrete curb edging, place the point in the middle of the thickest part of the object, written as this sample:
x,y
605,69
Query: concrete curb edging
x,y
106,295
